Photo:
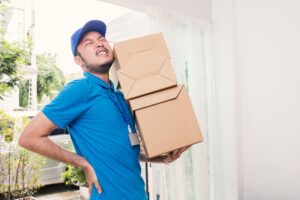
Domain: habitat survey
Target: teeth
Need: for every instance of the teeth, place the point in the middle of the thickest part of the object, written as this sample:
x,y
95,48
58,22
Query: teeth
x,y
101,52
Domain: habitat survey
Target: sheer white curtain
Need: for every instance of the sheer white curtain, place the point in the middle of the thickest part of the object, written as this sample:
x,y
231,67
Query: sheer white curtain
x,y
188,41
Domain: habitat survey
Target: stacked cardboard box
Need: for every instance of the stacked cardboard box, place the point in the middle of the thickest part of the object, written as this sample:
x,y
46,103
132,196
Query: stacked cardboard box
x,y
163,110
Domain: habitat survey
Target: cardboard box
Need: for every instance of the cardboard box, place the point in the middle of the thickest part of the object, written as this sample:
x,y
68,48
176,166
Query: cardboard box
x,y
143,65
166,121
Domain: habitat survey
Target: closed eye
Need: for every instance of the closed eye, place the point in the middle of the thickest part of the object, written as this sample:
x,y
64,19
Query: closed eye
x,y
101,38
88,42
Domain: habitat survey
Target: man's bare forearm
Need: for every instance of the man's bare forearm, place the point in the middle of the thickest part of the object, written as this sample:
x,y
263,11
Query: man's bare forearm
x,y
35,138
48,148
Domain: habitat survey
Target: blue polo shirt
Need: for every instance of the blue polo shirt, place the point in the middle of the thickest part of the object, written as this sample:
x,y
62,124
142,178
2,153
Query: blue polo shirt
x,y
97,117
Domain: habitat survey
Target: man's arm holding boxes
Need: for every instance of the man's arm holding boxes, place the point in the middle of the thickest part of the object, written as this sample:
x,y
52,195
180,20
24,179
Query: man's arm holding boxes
x,y
165,158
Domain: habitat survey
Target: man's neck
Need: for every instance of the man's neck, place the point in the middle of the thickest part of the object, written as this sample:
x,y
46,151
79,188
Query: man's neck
x,y
104,77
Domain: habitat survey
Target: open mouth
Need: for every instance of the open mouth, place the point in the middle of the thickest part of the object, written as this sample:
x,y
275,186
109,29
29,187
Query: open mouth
x,y
102,52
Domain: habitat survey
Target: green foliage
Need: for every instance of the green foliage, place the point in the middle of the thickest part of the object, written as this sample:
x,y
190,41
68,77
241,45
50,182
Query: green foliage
x,y
50,77
11,56
3,7
6,127
19,173
19,168
23,89
74,175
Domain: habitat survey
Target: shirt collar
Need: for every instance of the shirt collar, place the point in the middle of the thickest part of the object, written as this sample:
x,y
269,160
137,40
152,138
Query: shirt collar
x,y
99,81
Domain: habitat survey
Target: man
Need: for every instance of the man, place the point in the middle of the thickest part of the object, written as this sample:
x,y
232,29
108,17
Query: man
x,y
99,122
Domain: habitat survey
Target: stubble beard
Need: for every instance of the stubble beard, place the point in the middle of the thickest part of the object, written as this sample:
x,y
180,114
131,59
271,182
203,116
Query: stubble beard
x,y
99,69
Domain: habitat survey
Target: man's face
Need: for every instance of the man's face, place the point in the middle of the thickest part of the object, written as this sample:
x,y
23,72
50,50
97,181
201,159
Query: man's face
x,y
94,53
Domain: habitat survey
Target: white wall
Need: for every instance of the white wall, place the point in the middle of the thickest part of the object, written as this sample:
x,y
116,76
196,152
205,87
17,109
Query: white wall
x,y
257,59
224,147
269,68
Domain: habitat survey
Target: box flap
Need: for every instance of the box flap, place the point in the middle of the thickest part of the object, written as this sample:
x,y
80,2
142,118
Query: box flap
x,y
135,84
155,98
124,49
136,62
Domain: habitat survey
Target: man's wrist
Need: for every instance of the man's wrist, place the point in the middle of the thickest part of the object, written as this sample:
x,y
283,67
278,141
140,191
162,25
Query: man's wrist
x,y
83,163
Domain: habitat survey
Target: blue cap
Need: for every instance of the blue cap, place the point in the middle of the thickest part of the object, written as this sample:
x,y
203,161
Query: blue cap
x,y
93,25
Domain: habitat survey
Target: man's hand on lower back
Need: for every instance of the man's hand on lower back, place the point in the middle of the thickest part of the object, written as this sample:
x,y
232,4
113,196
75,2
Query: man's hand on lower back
x,y
91,178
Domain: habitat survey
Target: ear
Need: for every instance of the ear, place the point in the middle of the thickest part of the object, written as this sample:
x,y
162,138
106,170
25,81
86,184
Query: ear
x,y
78,60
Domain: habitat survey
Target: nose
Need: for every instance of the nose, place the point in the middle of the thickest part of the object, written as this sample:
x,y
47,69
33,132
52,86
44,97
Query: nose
x,y
99,43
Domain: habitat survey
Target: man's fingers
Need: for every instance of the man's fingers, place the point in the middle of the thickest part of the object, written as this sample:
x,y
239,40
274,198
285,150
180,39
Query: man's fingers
x,y
91,179
90,188
98,187
183,149
178,152
170,157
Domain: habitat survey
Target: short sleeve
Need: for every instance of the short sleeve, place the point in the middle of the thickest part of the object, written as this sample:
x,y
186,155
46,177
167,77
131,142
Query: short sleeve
x,y
70,103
